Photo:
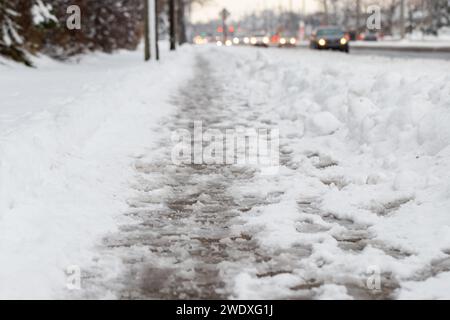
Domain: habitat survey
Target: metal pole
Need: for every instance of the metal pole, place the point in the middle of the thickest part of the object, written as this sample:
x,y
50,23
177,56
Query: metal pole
x,y
224,15
224,26
153,42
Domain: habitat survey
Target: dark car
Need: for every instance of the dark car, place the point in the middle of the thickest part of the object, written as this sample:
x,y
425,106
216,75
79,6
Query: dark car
x,y
329,38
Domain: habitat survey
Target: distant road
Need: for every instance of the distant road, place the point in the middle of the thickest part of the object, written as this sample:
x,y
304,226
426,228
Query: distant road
x,y
438,51
426,50
403,53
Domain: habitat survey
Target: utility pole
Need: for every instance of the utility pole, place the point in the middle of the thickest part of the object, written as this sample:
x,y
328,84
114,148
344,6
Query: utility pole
x,y
172,21
151,48
224,14
402,19
154,29
147,55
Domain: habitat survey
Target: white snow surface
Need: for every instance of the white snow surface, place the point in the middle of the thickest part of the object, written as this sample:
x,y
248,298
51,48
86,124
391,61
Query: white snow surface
x,y
69,135
367,141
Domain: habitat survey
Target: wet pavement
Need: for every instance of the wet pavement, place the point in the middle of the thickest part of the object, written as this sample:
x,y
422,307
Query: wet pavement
x,y
181,237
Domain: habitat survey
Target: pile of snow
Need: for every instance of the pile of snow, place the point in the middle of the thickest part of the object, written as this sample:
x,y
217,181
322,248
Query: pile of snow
x,y
69,135
322,123
368,145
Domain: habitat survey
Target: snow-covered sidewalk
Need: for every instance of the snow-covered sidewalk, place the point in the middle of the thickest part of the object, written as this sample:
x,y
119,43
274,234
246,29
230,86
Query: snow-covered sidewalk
x,y
359,208
69,134
362,197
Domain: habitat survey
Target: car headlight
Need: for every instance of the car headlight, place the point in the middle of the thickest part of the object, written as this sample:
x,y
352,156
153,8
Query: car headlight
x,y
322,42
246,40
282,41
266,40
293,41
254,40
343,41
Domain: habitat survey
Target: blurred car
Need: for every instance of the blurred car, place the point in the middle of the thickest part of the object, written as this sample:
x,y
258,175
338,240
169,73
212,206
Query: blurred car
x,y
329,38
369,36
286,42
352,35
260,40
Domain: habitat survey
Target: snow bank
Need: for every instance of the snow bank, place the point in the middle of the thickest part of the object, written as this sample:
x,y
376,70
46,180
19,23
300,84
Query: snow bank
x,y
69,135
322,123
414,43
366,149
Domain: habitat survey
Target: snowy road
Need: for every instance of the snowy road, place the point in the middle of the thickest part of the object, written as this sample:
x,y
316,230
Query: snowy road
x,y
212,231
402,54
395,54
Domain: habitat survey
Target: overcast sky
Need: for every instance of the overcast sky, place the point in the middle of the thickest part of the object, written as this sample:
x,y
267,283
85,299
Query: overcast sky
x,y
241,7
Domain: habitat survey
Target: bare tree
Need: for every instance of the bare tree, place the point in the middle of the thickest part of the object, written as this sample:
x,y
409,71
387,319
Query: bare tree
x,y
172,22
146,30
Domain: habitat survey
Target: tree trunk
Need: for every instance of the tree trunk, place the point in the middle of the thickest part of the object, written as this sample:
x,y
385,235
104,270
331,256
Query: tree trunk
x,y
172,21
157,28
146,30
182,38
